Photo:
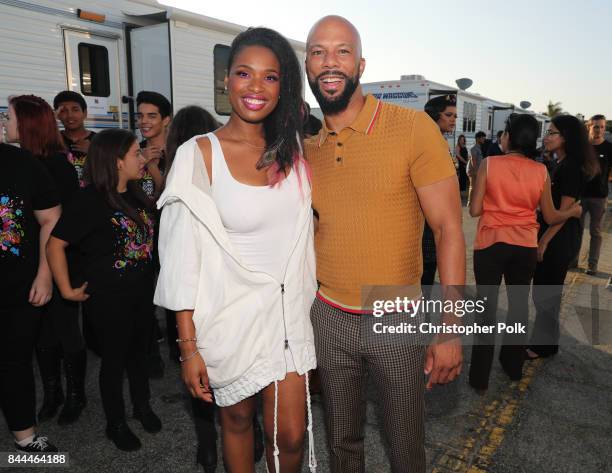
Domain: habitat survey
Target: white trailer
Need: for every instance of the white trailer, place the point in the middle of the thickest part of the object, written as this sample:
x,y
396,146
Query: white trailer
x,y
108,50
475,112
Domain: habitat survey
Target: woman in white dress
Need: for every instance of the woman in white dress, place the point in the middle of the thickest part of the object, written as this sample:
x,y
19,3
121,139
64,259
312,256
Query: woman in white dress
x,y
237,257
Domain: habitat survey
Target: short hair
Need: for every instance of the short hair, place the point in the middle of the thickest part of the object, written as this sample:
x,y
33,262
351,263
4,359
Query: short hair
x,y
434,107
599,116
481,134
157,99
523,132
499,133
69,96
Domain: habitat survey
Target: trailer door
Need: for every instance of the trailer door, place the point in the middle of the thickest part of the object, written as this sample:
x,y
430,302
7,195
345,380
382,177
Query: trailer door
x,y
92,69
150,59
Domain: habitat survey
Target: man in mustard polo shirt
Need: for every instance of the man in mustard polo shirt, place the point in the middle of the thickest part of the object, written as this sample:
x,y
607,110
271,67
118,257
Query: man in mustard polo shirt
x,y
374,167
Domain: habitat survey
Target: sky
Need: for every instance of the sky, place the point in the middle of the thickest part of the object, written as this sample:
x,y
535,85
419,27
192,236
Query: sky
x,y
534,50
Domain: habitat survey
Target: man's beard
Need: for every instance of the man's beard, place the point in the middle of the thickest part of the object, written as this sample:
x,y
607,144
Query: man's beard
x,y
337,103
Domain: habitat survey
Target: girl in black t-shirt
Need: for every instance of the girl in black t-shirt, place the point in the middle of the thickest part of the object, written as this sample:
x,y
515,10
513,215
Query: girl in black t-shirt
x,y
558,244
109,222
37,132
29,208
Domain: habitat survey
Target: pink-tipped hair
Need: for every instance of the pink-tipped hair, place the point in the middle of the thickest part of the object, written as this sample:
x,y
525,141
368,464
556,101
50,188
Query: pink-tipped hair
x,y
277,175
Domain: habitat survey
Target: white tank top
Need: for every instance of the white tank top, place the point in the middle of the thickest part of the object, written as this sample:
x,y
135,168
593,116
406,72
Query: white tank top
x,y
259,220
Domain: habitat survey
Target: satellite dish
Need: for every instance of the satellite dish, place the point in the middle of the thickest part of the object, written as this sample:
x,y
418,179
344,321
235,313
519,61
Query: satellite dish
x,y
464,83
525,104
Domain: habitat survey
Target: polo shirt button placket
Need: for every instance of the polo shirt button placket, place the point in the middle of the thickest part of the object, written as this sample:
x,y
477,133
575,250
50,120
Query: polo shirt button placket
x,y
339,159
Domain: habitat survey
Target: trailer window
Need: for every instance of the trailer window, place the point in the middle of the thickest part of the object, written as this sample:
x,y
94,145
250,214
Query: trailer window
x,y
469,117
221,55
93,70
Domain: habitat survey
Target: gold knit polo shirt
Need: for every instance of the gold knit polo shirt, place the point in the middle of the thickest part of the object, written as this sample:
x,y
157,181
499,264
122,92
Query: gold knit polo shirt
x,y
363,189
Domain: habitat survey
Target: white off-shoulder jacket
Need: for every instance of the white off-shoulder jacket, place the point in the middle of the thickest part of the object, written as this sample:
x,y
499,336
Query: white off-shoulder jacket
x,y
244,319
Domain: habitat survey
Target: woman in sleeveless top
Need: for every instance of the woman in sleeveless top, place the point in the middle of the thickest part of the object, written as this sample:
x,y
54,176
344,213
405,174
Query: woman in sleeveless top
x,y
237,202
508,190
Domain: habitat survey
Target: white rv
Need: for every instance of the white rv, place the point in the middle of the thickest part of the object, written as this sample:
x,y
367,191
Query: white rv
x,y
108,50
475,112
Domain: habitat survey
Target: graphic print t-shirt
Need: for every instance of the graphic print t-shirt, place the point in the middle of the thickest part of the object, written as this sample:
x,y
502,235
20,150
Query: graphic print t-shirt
x,y
25,186
64,176
147,183
77,158
116,252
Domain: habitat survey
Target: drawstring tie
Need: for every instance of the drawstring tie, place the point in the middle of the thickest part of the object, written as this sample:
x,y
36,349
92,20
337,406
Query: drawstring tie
x,y
312,460
276,450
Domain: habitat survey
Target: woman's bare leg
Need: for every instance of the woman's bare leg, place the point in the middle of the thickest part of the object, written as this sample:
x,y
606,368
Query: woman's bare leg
x,y
291,422
237,435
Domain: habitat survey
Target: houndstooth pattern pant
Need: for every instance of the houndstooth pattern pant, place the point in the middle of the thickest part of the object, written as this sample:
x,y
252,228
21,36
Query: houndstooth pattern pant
x,y
344,358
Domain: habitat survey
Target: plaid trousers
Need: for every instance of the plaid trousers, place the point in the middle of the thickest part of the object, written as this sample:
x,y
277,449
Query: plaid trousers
x,y
345,355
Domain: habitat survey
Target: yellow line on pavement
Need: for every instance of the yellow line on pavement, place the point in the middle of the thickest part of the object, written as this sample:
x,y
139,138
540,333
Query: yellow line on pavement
x,y
493,417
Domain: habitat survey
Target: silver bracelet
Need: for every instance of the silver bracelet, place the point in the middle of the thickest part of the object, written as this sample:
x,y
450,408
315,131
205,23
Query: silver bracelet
x,y
181,359
184,340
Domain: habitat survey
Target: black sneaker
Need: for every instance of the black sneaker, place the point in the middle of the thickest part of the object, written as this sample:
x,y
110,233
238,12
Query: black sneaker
x,y
123,438
39,444
149,420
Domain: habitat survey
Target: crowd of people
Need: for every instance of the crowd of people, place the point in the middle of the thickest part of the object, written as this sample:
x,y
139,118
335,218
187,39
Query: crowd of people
x,y
257,238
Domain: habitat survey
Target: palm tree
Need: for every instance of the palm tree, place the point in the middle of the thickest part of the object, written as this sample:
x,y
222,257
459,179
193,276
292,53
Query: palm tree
x,y
553,109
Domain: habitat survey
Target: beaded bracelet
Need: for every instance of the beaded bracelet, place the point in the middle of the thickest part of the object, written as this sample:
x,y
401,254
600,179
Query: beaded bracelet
x,y
181,359
183,340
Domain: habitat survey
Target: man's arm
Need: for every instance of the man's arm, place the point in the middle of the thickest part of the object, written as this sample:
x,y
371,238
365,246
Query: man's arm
x,y
441,205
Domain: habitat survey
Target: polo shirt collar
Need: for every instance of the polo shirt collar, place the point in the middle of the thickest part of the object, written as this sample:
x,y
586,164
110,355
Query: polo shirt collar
x,y
363,123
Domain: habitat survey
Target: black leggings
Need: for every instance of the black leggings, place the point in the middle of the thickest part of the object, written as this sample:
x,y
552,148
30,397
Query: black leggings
x,y
121,322
19,329
516,264
59,325
547,293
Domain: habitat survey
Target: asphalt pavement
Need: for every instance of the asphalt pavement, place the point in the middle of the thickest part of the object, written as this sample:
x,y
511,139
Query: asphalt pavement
x,y
558,419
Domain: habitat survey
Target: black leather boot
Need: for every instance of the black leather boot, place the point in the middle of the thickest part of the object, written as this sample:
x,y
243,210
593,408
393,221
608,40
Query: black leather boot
x,y
74,365
149,420
207,454
122,436
50,372
206,432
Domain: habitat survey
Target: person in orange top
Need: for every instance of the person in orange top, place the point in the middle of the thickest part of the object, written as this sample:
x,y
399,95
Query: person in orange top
x,y
507,192
377,170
